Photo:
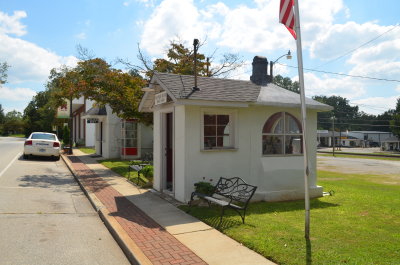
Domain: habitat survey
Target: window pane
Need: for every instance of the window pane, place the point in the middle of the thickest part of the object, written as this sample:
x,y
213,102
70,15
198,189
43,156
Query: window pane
x,y
272,144
222,130
42,136
294,144
210,131
222,119
271,122
278,126
227,141
130,143
210,119
291,125
209,142
224,141
130,125
130,134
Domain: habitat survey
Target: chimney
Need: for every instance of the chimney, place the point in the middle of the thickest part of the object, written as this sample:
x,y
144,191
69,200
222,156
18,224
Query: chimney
x,y
260,70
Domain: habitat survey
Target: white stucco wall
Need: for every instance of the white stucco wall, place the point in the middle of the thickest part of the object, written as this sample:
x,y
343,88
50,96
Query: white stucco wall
x,y
157,149
277,177
90,130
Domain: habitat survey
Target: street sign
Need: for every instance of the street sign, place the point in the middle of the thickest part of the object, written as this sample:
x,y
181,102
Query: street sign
x,y
63,110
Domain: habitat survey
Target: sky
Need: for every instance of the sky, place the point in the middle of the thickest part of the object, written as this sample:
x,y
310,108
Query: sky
x,y
346,37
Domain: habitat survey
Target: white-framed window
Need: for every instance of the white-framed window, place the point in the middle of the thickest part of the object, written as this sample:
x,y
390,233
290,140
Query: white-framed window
x,y
218,130
282,135
129,133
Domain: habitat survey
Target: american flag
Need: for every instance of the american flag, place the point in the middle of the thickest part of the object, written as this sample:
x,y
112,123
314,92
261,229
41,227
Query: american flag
x,y
286,16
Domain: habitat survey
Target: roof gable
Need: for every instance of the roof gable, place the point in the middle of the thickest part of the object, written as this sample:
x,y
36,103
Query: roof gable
x,y
180,88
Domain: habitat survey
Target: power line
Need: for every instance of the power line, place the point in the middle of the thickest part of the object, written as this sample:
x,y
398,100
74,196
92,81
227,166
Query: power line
x,y
353,50
349,119
364,124
333,73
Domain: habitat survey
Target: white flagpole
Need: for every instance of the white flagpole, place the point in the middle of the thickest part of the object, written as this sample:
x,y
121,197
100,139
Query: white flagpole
x,y
303,119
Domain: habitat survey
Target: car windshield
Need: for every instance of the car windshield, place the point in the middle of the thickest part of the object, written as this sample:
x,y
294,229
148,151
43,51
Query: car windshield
x,y
43,136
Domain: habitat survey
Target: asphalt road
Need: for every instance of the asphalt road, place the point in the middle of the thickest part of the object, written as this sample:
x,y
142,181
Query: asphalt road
x,y
44,216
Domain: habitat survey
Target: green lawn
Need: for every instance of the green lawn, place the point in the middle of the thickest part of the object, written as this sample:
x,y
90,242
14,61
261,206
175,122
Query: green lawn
x,y
360,224
17,135
87,150
121,167
361,156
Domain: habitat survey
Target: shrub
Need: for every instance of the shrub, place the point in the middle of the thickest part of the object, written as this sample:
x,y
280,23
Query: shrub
x,y
66,136
204,187
147,171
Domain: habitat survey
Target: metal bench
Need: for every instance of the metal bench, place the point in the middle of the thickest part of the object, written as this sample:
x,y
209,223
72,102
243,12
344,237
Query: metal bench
x,y
233,193
138,165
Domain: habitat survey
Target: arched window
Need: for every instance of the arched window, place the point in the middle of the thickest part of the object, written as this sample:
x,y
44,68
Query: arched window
x,y
282,135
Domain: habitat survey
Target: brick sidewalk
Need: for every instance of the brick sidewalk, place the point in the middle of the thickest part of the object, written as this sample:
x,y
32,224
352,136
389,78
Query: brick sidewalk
x,y
158,245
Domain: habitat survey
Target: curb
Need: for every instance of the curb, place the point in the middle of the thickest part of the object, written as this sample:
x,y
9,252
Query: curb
x,y
128,246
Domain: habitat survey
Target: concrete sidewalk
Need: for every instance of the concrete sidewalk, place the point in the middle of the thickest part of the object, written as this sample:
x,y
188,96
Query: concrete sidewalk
x,y
150,229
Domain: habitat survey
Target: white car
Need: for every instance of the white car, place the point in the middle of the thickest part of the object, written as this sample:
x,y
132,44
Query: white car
x,y
42,144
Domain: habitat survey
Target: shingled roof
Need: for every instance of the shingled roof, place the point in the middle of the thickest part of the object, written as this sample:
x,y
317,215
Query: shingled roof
x,y
218,89
180,87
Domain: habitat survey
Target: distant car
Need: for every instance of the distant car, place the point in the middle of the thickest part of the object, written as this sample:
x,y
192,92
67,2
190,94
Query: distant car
x,y
42,144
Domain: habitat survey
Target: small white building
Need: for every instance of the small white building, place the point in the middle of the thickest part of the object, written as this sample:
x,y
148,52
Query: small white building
x,y
230,128
118,138
83,132
391,144
371,137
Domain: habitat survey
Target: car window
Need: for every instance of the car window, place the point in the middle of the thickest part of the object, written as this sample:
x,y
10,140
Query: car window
x,y
43,136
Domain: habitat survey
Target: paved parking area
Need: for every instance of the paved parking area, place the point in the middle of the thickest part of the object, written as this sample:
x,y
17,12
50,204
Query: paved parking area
x,y
359,165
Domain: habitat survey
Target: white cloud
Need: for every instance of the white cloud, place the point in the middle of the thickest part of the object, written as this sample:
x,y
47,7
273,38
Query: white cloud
x,y
16,94
326,85
165,25
147,3
242,28
81,36
28,61
12,24
341,38
398,88
376,105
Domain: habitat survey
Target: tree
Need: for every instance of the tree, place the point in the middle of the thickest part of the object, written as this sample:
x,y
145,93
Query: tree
x,y
3,72
2,115
287,83
95,79
395,122
40,113
342,111
13,123
180,60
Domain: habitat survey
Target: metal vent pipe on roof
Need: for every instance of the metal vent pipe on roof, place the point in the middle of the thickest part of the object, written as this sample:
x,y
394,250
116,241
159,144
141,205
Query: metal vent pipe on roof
x,y
196,46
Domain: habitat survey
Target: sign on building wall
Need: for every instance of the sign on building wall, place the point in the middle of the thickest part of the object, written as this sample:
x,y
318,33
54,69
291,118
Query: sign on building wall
x,y
160,98
92,120
63,110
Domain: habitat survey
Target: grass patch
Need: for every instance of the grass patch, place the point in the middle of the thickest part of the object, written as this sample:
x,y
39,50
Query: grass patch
x,y
87,150
121,167
360,224
17,135
362,156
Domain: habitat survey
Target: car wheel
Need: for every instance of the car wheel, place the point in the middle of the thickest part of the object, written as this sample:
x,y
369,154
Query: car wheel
x,y
25,156
57,158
